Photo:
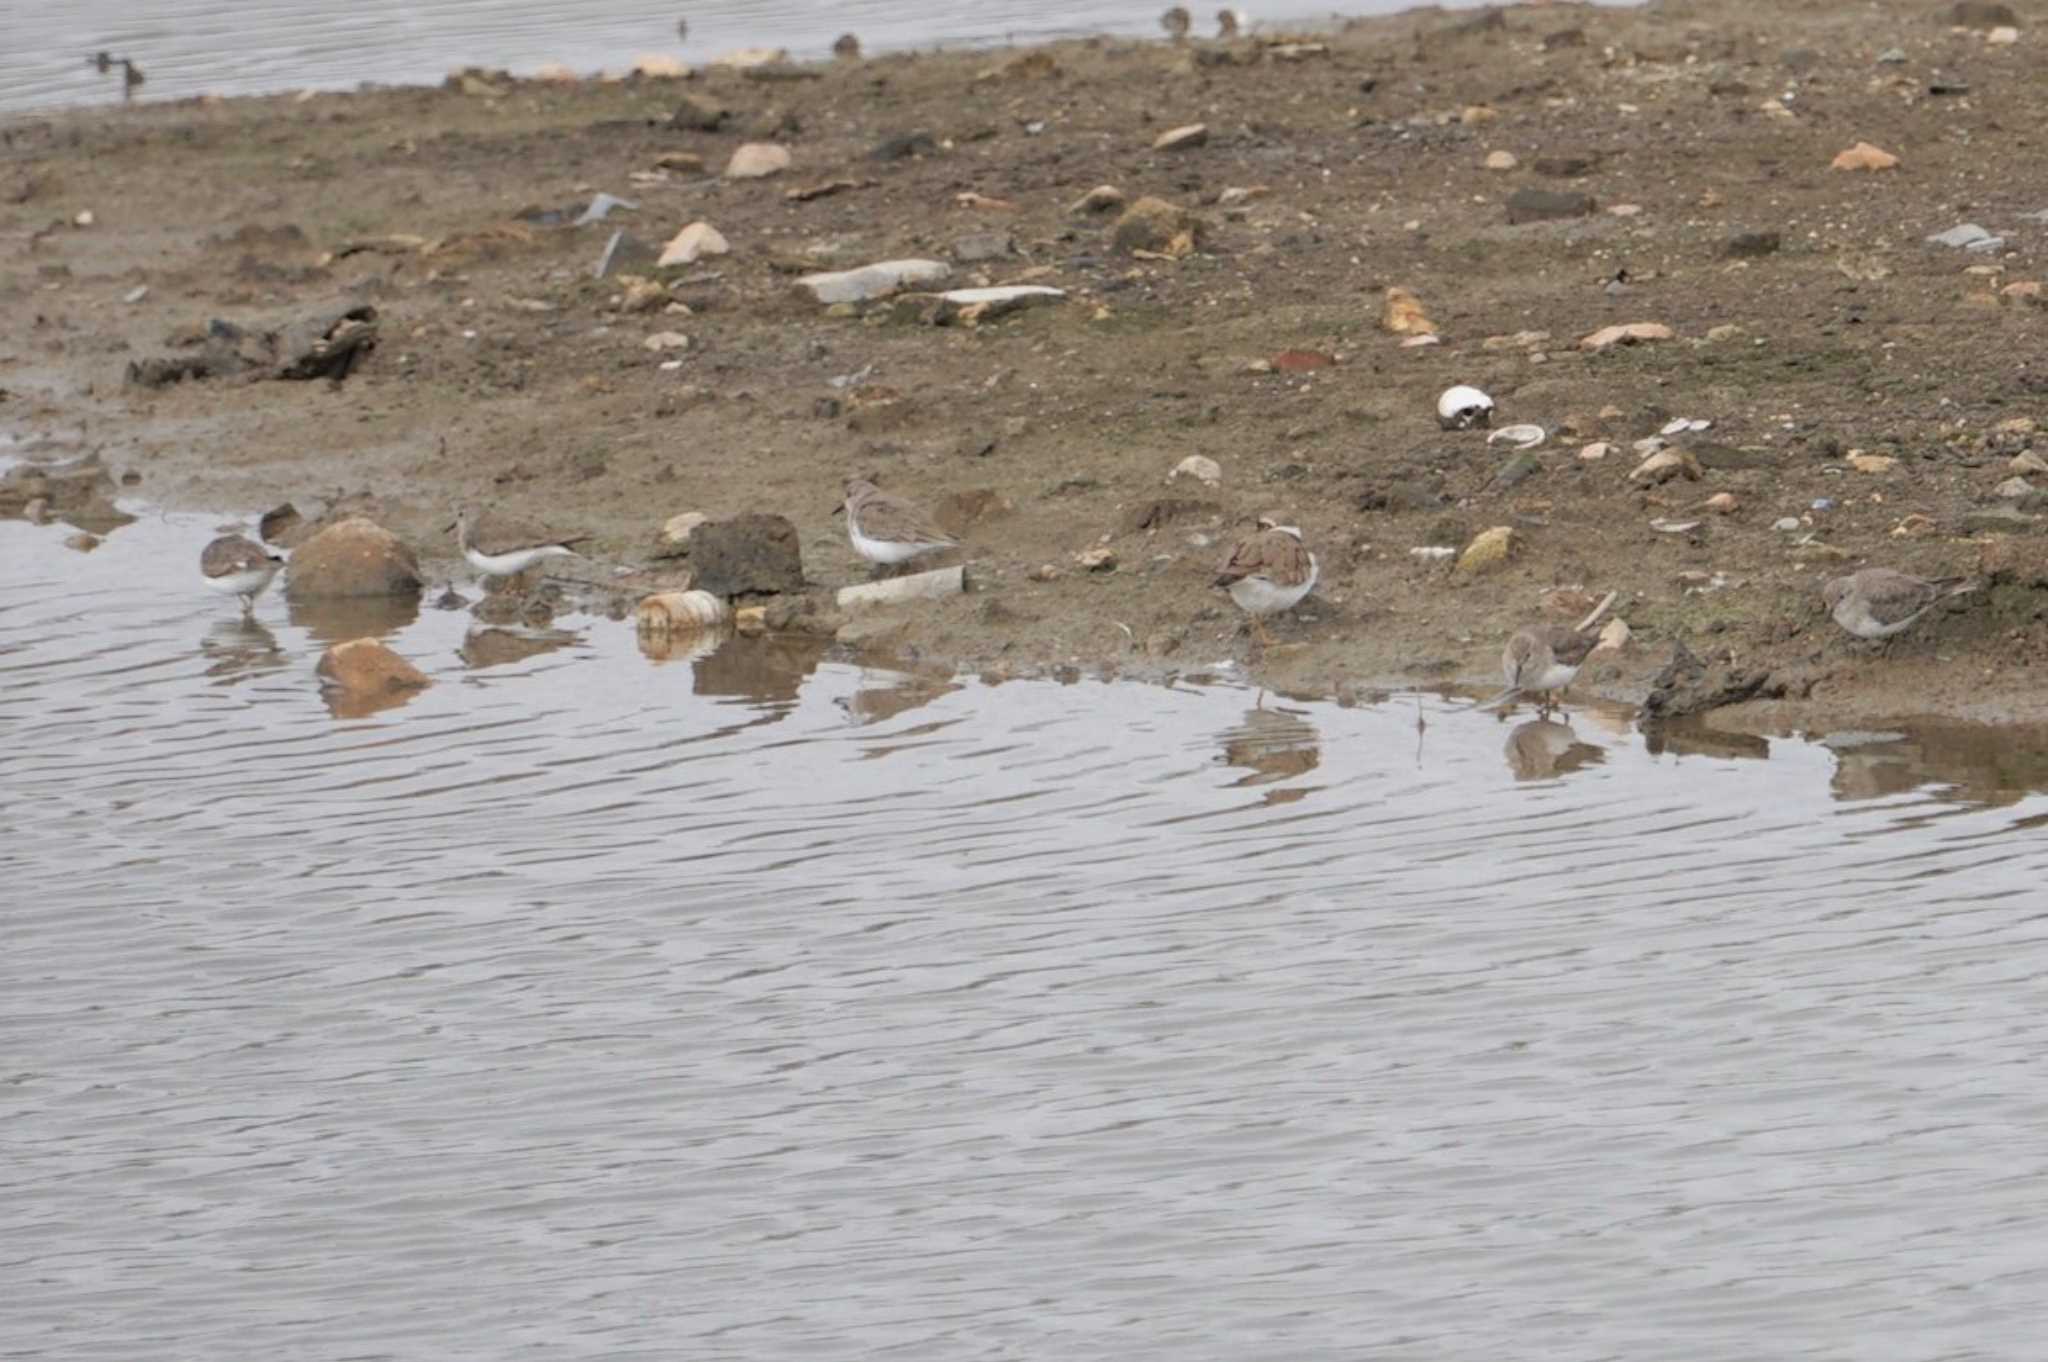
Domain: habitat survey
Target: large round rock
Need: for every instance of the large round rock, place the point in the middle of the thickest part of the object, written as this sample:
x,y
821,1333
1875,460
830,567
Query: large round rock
x,y
353,557
748,555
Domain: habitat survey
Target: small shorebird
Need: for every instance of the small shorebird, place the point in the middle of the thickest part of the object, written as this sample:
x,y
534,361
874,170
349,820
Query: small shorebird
x,y
1267,572
847,48
1545,658
1878,602
235,565
887,530
1231,22
1176,22
502,548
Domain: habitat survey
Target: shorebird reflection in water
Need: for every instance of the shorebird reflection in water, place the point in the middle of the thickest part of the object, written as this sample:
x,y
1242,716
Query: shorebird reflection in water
x,y
1544,748
1274,745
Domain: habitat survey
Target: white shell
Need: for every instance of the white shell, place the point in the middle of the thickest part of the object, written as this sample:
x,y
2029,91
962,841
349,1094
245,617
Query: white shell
x,y
1674,526
1201,468
1680,425
1432,553
1463,407
678,610
1523,436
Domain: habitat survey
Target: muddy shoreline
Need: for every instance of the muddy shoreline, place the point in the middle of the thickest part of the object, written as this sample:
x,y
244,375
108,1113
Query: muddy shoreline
x,y
1872,392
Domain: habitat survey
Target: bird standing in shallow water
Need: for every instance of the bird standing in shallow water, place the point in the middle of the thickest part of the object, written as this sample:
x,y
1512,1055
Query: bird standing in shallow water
x,y
888,530
236,565
1879,602
1268,572
1545,658
500,548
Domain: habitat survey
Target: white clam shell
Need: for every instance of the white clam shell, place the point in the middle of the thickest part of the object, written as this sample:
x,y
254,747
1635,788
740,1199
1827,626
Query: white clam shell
x,y
1463,406
1200,467
1522,436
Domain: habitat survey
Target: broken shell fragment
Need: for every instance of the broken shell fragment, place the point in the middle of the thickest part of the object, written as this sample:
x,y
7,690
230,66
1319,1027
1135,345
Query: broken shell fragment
x,y
1201,468
1462,408
1522,436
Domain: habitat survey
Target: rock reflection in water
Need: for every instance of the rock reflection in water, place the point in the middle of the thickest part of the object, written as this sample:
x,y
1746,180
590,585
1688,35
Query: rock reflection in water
x,y
681,645
758,670
496,647
1543,749
338,619
1689,738
1973,762
1273,745
238,648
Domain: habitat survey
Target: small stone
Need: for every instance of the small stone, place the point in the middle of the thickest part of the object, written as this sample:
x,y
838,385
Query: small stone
x,y
641,295
1101,199
1548,205
1201,468
1100,559
1491,549
1563,167
980,246
1726,331
1915,526
1501,160
354,557
2012,489
363,676
1595,452
1181,138
1752,245
1785,524
1155,225
1723,503
1892,56
1872,463
1472,115
1044,572
82,542
84,218
2023,291
1403,314
1629,333
749,554
878,280
1625,210
694,242
666,340
1964,235
676,531
1665,465
751,622
699,113
1614,636
757,160
1864,156
2003,36
904,145
1981,14
1238,194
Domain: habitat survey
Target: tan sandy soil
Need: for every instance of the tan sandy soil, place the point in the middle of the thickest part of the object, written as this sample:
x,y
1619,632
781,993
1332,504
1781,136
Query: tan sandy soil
x,y
503,370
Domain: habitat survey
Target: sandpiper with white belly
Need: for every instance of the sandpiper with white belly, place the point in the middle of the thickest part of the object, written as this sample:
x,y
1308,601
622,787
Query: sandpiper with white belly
x,y
1267,572
1879,602
236,565
1545,658
887,530
498,547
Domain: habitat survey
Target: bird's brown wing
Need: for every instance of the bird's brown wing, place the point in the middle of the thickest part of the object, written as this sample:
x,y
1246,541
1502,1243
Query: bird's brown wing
x,y
1570,646
229,554
1275,555
1894,597
494,533
896,521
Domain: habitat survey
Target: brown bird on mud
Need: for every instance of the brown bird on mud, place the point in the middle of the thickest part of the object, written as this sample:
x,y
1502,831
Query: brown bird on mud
x,y
1879,602
1545,658
1176,22
888,530
1267,572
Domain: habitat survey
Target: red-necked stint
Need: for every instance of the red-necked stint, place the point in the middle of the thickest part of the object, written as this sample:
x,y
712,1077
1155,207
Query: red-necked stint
x,y
502,548
1268,572
235,565
1878,602
888,530
1542,659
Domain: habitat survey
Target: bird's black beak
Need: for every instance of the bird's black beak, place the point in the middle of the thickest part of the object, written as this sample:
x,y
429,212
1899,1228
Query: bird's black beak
x,y
840,509
449,528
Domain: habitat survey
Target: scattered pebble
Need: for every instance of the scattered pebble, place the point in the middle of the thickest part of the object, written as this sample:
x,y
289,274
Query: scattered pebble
x,y
1785,524
1489,550
1432,553
1101,199
1680,425
1723,503
1099,559
693,243
136,294
1501,160
84,218
1628,333
757,160
1595,452
1872,463
1864,156
1181,138
2012,489
1403,314
1201,468
1967,236
666,340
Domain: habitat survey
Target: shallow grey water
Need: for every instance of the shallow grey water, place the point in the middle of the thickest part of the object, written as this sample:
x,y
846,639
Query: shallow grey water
x,y
761,1005
190,47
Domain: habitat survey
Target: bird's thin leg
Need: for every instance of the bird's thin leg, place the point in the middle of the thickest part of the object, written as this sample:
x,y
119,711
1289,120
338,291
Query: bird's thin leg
x,y
1259,630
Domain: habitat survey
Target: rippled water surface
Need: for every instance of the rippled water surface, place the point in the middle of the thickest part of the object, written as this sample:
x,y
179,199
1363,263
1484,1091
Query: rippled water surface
x,y
758,1004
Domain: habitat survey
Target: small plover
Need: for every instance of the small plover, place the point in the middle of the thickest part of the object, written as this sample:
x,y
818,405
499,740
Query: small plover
x,y
500,548
1545,658
1878,602
235,565
1176,22
888,530
1231,22
1267,572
